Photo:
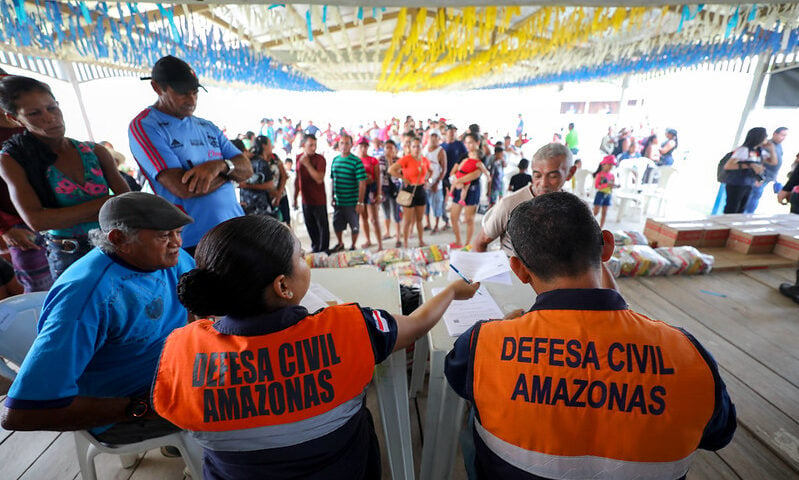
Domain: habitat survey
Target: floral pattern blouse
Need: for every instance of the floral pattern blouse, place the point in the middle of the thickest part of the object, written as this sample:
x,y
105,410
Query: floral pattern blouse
x,y
69,192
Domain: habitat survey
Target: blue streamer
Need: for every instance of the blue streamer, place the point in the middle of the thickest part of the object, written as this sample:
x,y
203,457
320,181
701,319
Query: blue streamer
x,y
360,13
752,13
732,23
324,14
171,19
276,6
84,10
22,15
308,22
672,56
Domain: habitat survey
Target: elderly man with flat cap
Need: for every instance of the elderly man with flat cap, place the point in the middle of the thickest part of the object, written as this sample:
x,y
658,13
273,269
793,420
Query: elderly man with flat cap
x,y
187,159
102,328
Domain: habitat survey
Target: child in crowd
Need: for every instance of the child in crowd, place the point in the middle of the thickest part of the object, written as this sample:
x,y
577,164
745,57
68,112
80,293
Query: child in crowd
x,y
521,179
603,181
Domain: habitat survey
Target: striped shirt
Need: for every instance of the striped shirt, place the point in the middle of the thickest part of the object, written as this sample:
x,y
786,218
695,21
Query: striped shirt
x,y
346,172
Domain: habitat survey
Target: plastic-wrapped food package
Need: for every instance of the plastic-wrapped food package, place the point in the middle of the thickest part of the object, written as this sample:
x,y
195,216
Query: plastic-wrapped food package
x,y
641,261
687,260
407,268
384,258
438,268
614,264
621,239
346,259
317,260
636,238
430,253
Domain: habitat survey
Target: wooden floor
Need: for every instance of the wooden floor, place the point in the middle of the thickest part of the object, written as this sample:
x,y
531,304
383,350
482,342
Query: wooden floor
x,y
752,331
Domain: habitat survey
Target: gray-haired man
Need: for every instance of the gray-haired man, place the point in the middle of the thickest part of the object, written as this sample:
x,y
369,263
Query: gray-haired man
x,y
102,328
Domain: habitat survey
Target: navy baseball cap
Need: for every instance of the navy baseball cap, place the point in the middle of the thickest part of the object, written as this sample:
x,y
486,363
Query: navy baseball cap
x,y
174,72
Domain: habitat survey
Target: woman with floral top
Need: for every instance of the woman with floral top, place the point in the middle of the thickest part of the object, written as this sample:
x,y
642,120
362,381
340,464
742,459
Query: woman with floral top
x,y
58,184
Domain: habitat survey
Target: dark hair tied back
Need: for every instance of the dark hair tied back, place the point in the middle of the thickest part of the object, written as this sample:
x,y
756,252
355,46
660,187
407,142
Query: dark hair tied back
x,y
199,290
236,261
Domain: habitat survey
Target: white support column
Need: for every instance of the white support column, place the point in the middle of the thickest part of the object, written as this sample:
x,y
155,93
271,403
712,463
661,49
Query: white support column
x,y
763,62
68,72
625,83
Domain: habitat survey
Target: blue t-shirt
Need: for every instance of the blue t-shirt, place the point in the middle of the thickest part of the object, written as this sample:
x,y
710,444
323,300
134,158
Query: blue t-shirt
x,y
455,152
159,141
101,331
771,171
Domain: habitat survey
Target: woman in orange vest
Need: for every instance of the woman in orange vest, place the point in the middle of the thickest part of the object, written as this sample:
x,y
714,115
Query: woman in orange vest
x,y
269,389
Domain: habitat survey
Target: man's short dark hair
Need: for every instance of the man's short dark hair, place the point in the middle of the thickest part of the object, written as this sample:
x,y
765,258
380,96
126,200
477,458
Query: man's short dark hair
x,y
307,137
555,235
780,130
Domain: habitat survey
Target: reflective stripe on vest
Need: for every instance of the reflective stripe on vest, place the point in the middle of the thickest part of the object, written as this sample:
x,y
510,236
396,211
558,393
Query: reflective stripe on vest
x,y
211,382
610,384
584,466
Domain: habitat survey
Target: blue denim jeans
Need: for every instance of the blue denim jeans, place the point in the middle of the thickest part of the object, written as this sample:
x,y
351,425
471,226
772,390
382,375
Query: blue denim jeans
x,y
63,252
754,198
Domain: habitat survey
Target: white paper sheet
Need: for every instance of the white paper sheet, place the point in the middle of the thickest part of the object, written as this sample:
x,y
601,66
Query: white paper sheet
x,y
481,266
318,297
462,314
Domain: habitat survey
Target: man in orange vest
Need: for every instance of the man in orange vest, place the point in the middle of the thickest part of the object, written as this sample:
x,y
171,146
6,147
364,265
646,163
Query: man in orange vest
x,y
581,386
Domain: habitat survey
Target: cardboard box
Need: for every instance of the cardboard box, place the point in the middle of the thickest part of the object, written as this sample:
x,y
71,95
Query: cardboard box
x,y
752,239
715,236
787,246
729,218
675,234
652,230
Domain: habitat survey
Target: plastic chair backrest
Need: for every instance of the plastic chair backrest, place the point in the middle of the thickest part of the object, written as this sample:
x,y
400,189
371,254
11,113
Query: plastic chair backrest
x,y
626,178
580,177
19,316
665,175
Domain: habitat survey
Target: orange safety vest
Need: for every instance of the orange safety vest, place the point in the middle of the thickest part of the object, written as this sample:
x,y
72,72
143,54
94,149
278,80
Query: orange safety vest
x,y
211,382
572,390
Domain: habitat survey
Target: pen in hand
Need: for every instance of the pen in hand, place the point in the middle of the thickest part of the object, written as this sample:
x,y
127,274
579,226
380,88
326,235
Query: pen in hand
x,y
468,282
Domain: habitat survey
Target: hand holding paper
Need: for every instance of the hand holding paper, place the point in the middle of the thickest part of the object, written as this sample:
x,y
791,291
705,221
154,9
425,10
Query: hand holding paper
x,y
481,266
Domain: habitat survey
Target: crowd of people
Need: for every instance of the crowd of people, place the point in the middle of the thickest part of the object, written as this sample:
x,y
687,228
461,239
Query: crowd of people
x,y
440,171
187,313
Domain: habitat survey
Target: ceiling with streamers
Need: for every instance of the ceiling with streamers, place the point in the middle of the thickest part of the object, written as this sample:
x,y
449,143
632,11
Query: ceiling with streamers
x,y
395,48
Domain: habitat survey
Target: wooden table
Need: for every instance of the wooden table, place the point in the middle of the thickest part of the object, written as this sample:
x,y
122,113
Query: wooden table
x,y
370,287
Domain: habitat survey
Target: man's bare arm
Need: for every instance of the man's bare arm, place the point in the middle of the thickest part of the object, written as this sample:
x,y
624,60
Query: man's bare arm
x,y
82,413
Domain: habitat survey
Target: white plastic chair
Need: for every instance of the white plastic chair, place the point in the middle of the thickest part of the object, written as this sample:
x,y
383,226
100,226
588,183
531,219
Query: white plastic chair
x,y
629,191
580,177
658,194
89,447
19,316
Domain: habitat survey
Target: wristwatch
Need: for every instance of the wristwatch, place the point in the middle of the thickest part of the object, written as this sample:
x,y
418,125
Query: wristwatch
x,y
137,408
230,166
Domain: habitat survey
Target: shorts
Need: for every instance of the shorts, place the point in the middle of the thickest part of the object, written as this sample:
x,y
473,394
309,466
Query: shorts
x,y
343,216
390,207
472,195
435,202
419,197
602,199
496,194
370,195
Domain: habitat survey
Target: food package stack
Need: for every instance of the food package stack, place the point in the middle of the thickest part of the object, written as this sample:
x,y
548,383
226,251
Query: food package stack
x,y
686,260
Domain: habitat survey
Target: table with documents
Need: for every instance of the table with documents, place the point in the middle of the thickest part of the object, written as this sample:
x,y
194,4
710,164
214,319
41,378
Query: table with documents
x,y
445,408
372,288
